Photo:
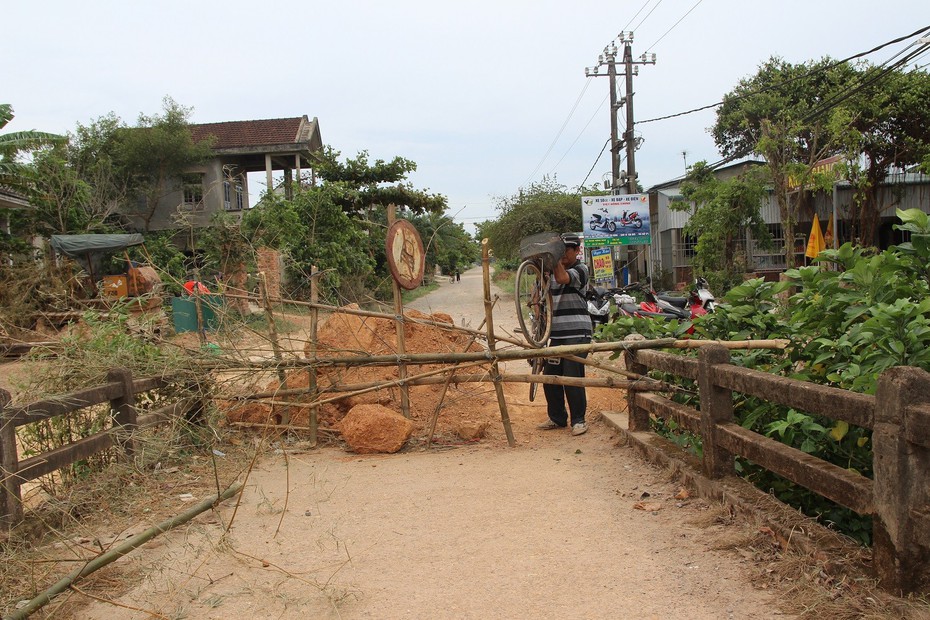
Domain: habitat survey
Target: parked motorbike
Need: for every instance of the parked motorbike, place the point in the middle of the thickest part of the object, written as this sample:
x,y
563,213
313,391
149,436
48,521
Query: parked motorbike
x,y
601,220
652,306
699,301
631,220
701,295
598,299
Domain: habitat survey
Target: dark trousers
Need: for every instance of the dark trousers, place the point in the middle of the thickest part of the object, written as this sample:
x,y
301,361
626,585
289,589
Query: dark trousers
x,y
556,395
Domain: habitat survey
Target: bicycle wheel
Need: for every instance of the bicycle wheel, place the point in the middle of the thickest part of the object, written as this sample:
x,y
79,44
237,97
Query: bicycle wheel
x,y
534,303
537,363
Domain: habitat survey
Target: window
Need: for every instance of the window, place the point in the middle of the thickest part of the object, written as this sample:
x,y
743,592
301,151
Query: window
x,y
240,197
193,189
226,192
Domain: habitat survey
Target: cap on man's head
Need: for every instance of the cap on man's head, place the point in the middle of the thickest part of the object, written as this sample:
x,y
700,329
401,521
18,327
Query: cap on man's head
x,y
570,240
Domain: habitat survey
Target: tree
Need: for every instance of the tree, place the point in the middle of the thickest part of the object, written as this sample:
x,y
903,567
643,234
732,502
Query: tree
x,y
783,114
546,206
151,156
722,211
312,230
447,243
69,198
14,173
887,128
366,185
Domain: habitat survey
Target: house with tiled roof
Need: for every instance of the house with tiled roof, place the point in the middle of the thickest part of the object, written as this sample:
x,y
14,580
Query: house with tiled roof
x,y
288,145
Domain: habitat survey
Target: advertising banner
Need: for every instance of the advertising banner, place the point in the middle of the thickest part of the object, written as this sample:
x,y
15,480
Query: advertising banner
x,y
603,264
616,220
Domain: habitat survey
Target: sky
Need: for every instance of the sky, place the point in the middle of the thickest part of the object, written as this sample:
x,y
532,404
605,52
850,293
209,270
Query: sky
x,y
486,97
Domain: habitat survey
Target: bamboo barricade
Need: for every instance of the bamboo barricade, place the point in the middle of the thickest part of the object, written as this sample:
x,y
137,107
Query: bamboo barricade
x,y
775,343
362,388
422,359
500,355
489,318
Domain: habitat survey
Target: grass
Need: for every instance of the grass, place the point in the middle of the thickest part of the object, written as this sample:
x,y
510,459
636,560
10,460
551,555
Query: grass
x,y
504,279
420,291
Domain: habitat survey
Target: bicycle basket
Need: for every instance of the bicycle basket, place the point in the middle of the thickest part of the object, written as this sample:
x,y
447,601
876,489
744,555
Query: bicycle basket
x,y
546,246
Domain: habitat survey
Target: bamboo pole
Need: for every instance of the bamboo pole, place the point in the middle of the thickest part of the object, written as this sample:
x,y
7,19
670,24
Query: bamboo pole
x,y
776,343
421,359
380,385
282,429
566,350
604,382
314,324
272,327
399,323
632,385
489,318
384,315
116,553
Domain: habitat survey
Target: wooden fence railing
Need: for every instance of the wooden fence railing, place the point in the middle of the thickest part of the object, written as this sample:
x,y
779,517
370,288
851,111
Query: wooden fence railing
x,y
120,392
897,497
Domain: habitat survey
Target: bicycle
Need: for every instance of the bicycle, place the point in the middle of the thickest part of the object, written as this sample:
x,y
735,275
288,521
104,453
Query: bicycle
x,y
533,296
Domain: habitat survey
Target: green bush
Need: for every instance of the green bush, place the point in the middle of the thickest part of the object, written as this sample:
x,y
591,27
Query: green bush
x,y
851,316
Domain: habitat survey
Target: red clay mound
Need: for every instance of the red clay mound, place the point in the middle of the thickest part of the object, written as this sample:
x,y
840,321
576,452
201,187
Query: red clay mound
x,y
345,335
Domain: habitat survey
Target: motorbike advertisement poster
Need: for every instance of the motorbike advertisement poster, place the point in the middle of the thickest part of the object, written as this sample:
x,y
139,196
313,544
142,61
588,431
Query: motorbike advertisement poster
x,y
616,220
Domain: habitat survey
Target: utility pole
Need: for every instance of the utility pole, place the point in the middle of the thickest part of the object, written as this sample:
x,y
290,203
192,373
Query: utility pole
x,y
609,59
628,137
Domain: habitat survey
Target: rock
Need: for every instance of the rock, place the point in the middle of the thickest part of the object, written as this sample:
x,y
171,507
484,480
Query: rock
x,y
371,429
470,431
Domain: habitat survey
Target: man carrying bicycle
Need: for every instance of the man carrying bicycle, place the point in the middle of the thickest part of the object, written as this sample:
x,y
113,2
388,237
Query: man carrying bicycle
x,y
571,324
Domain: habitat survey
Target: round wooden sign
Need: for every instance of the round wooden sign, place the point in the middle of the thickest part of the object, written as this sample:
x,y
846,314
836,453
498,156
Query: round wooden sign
x,y
405,255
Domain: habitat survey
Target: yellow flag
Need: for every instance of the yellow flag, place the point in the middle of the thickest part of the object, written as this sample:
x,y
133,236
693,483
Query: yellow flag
x,y
815,244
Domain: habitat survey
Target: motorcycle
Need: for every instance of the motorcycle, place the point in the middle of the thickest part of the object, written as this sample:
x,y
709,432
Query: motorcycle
x,y
602,222
699,301
598,299
631,220
653,306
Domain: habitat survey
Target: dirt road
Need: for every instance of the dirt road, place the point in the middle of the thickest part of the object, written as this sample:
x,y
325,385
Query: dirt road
x,y
557,527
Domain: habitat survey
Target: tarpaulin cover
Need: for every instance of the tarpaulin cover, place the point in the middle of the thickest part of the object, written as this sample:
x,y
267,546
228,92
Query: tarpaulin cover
x,y
78,246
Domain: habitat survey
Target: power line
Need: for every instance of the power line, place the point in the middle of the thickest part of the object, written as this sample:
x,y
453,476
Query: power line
x,y
673,25
789,81
827,105
581,133
647,16
884,71
603,148
559,134
645,4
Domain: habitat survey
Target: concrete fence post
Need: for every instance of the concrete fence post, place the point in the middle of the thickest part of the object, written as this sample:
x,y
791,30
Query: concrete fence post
x,y
124,411
637,419
11,501
901,524
716,408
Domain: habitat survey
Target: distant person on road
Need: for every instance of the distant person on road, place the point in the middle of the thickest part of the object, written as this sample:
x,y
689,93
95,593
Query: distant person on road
x,y
571,324
458,276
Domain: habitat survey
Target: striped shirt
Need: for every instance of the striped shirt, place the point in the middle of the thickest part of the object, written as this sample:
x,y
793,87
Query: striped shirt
x,y
570,318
